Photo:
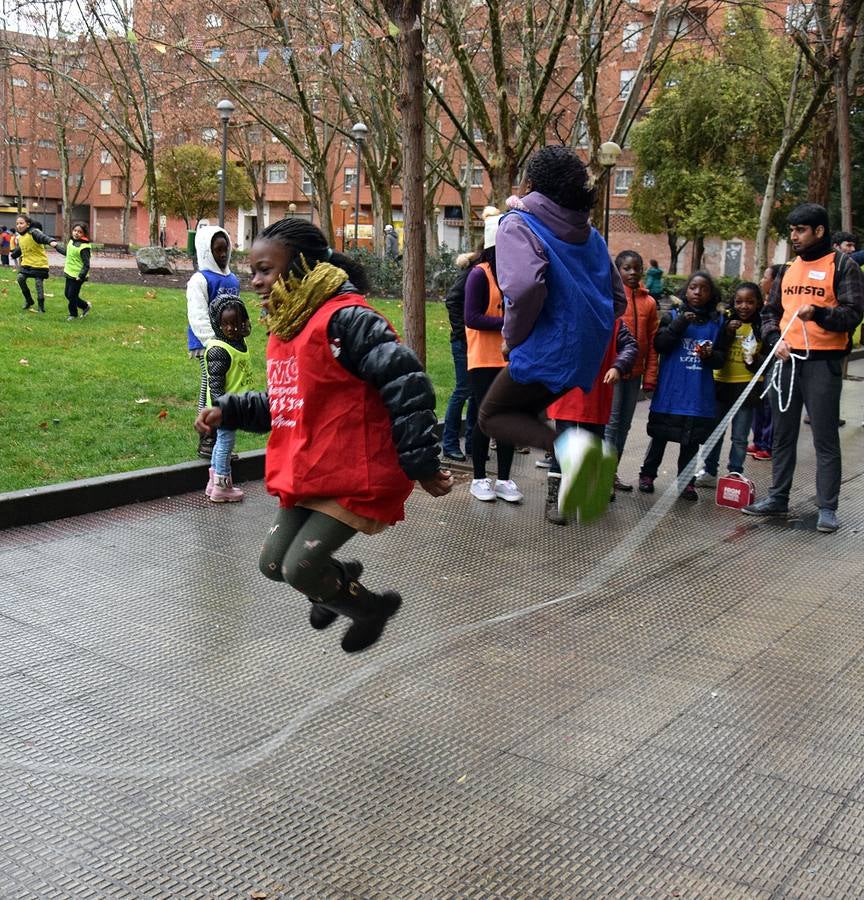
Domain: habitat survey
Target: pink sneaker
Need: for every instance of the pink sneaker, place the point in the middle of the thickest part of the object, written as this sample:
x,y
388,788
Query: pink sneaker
x,y
209,489
224,490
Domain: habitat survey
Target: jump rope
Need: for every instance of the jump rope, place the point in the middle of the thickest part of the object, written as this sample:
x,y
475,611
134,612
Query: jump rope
x,y
609,565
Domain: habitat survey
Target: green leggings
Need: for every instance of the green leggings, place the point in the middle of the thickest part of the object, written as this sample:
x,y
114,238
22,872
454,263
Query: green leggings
x,y
299,550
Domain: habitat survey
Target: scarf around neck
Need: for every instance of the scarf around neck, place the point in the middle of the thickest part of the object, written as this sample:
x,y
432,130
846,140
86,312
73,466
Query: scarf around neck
x,y
293,301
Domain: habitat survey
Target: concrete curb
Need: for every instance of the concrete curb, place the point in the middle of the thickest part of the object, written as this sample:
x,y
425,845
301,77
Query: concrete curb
x,y
74,498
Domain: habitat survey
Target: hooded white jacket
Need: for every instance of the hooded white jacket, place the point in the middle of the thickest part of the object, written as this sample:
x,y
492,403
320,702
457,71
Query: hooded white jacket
x,y
198,290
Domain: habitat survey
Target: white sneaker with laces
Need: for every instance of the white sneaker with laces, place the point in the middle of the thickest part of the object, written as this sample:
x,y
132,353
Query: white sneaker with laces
x,y
481,489
705,479
508,491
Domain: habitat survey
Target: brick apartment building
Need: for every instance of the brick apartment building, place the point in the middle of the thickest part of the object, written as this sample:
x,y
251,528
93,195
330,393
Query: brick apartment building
x,y
104,185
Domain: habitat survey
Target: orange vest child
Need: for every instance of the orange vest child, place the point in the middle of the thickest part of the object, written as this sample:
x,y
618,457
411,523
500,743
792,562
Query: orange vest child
x,y
484,347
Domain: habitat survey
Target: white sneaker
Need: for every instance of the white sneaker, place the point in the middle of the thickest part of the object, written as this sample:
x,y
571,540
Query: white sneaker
x,y
481,489
508,491
705,479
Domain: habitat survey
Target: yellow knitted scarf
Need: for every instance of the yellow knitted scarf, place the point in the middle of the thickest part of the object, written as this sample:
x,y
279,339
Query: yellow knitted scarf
x,y
293,301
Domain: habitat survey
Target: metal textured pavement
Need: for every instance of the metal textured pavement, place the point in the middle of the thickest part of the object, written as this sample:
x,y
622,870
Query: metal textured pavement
x,y
658,705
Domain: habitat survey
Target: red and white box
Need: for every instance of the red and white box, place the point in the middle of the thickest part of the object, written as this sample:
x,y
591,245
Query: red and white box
x,y
735,491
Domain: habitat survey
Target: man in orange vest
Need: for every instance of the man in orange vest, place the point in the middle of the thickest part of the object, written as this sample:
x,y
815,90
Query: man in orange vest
x,y
826,289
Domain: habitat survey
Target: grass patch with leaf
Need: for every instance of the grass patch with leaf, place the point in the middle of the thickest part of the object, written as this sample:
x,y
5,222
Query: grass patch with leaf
x,y
116,391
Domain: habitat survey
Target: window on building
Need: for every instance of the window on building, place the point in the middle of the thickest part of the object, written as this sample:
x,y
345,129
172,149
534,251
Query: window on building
x,y
216,53
209,135
20,112
799,17
79,151
630,37
80,121
20,82
253,135
17,141
306,184
212,20
45,144
623,182
50,173
105,186
105,157
476,175
581,133
478,136
648,180
18,170
43,86
625,79
75,180
350,181
579,87
277,174
157,30
44,115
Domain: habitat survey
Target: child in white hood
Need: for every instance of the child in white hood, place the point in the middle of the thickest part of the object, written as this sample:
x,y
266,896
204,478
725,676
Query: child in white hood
x,y
213,279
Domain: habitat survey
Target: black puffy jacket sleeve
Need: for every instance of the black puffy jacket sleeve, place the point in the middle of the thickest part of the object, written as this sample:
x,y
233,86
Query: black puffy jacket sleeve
x,y
245,412
370,350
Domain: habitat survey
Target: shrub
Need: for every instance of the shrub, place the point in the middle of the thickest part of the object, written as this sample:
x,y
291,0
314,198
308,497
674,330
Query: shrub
x,y
385,275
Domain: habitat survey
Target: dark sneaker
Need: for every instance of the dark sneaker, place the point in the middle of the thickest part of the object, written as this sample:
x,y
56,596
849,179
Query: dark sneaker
x,y
689,493
87,310
646,484
620,485
827,521
766,507
454,455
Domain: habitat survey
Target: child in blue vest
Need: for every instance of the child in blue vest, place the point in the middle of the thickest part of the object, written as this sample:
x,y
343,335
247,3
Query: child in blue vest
x,y
691,345
214,277
226,360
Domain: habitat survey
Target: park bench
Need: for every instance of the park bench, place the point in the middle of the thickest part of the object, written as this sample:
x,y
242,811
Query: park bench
x,y
113,250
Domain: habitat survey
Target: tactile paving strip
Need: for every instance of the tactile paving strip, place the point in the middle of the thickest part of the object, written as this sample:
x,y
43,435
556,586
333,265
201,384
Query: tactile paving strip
x,y
686,721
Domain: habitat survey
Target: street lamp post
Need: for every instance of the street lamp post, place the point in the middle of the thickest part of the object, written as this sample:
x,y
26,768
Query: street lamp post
x,y
225,107
44,176
343,205
359,133
607,156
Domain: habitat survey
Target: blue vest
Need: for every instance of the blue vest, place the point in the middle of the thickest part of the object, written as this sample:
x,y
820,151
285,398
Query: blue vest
x,y
685,386
574,327
216,284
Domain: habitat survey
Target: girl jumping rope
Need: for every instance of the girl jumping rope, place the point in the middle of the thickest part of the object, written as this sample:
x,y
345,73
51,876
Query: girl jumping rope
x,y
352,425
77,253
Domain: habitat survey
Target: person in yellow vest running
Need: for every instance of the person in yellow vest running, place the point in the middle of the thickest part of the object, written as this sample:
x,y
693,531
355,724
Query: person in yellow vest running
x,y
77,253
33,259
827,291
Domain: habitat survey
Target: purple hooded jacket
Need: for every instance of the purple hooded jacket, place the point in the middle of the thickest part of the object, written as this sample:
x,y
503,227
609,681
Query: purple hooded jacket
x,y
521,263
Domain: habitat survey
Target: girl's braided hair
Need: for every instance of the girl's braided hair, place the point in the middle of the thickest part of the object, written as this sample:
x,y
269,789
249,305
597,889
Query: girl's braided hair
x,y
310,246
559,174
220,303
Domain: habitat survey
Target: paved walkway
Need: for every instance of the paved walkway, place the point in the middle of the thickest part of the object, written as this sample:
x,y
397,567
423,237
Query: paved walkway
x,y
666,704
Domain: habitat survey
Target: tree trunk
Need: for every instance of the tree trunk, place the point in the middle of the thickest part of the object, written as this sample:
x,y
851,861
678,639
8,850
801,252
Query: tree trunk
x,y
697,252
406,14
674,251
822,156
844,145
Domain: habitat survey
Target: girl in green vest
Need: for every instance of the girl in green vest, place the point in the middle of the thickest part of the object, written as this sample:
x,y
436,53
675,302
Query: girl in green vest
x,y
77,253
228,372
33,259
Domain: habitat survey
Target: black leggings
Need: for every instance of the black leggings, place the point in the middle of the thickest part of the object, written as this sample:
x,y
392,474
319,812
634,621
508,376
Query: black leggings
x,y
39,276
480,380
72,292
299,550
654,456
511,412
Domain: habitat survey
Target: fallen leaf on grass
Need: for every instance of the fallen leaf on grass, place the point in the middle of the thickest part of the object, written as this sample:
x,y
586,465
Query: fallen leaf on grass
x,y
163,414
43,424
23,362
142,328
143,400
150,295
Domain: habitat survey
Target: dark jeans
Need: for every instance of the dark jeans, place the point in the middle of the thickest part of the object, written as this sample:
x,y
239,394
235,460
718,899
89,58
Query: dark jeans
x,y
625,396
461,393
299,550
511,412
39,276
763,424
654,456
72,292
481,380
740,432
817,389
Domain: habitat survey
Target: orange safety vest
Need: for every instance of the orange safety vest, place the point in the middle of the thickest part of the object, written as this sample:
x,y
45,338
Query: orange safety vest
x,y
810,283
484,347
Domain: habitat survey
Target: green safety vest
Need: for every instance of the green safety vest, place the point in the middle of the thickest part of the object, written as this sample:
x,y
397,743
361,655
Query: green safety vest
x,y
239,377
74,263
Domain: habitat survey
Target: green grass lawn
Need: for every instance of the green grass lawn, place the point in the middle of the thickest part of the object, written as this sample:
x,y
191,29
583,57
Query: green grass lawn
x,y
116,391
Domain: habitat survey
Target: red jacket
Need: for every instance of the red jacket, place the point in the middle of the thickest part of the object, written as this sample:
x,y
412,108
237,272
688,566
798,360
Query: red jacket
x,y
330,431
642,318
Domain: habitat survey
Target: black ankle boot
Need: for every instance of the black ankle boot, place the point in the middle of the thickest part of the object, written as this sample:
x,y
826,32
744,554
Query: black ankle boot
x,y
553,485
368,612
319,615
